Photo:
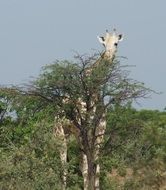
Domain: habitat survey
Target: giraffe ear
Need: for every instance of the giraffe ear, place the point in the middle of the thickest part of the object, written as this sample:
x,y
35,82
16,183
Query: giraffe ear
x,y
120,37
101,39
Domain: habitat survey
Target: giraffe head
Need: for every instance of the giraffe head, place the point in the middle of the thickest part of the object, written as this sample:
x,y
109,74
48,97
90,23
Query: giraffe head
x,y
110,42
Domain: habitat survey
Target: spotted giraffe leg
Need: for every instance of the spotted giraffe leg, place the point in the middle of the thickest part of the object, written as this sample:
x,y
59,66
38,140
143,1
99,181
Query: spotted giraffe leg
x,y
60,135
99,140
84,170
63,157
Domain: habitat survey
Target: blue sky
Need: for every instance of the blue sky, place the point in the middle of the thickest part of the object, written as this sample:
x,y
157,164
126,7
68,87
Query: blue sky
x,y
34,33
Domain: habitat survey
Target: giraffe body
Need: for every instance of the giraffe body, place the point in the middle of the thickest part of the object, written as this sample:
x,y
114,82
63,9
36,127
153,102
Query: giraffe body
x,y
64,127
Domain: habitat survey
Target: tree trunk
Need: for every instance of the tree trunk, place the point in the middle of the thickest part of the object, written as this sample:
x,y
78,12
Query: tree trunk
x,y
93,153
92,174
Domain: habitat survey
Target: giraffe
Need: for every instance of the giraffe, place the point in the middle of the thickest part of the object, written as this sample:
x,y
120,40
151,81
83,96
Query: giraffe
x,y
64,127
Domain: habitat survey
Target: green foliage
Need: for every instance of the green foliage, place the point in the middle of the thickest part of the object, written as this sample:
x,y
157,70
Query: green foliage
x,y
137,143
74,177
34,165
134,139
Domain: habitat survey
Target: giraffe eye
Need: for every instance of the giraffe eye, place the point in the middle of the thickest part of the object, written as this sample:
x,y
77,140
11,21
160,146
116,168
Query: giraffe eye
x,y
116,44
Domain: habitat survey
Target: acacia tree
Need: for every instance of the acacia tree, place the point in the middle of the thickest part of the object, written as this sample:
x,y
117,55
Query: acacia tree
x,y
84,100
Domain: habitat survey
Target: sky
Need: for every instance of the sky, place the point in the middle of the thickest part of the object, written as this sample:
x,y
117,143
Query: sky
x,y
34,33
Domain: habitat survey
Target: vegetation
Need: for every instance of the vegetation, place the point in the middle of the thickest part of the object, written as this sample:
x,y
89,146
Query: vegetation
x,y
132,155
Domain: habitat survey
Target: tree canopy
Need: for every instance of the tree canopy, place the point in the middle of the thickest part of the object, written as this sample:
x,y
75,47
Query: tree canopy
x,y
133,141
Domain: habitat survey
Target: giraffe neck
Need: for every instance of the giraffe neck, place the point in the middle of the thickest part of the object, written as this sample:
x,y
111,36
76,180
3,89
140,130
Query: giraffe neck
x,y
105,56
